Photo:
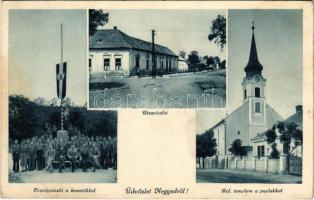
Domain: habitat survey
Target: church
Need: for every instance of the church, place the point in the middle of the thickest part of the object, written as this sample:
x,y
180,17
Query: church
x,y
253,117
114,53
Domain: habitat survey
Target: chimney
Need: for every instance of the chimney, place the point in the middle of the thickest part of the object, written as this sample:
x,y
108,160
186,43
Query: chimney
x,y
299,108
115,28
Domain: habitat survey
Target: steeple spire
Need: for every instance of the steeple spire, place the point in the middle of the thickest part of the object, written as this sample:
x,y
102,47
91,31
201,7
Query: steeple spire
x,y
253,67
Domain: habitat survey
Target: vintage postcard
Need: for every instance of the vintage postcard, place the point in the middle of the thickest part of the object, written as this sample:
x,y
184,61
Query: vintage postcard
x,y
157,100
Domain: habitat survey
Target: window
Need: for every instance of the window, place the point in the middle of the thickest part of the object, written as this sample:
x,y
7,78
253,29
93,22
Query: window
x,y
257,107
106,64
244,93
90,63
162,64
137,61
169,65
260,151
99,42
147,61
257,92
118,64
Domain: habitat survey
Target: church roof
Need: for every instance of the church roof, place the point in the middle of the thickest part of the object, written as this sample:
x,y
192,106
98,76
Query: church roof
x,y
254,67
116,39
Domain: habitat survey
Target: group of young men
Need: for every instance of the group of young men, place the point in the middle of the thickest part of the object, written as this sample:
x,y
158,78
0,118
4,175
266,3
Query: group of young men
x,y
75,151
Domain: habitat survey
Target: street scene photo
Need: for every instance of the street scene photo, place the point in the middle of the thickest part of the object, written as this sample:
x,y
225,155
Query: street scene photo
x,y
157,59
53,138
259,138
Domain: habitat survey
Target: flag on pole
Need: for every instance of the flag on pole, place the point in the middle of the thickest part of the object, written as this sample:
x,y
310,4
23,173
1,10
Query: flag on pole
x,y
61,80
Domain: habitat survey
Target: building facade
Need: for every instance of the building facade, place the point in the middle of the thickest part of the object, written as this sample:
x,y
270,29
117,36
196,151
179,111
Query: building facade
x,y
112,52
253,117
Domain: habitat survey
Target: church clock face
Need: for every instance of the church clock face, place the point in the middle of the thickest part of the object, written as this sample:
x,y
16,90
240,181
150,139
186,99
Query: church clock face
x,y
257,78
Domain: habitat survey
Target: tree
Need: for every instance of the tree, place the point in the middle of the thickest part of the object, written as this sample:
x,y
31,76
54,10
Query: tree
x,y
182,54
206,145
53,102
287,133
22,117
274,153
40,101
210,60
218,31
97,18
222,64
237,149
28,119
193,58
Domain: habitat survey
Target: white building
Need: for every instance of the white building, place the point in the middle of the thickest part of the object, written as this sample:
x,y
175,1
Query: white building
x,y
253,117
182,64
112,52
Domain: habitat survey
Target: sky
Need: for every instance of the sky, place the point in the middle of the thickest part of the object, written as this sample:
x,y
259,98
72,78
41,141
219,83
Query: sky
x,y
278,36
34,51
177,29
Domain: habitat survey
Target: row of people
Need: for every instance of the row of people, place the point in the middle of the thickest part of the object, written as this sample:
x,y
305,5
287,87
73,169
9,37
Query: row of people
x,y
41,152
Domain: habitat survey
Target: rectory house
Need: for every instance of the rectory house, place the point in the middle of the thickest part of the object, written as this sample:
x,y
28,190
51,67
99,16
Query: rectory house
x,y
112,52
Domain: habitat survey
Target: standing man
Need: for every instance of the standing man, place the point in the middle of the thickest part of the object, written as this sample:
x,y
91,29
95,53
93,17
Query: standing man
x,y
32,155
24,155
109,151
104,153
114,153
16,156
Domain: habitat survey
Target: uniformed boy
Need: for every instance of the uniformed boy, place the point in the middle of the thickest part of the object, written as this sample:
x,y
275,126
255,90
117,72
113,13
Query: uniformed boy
x,y
16,156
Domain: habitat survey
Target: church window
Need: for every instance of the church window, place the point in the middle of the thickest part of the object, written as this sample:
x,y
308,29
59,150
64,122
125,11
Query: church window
x,y
117,63
239,132
257,107
106,64
90,63
260,151
257,92
244,93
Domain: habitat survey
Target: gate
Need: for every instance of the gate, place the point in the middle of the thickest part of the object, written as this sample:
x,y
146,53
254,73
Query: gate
x,y
295,165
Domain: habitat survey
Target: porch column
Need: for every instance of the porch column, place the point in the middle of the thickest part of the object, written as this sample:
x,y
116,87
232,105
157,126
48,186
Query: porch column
x,y
283,164
254,164
235,162
266,163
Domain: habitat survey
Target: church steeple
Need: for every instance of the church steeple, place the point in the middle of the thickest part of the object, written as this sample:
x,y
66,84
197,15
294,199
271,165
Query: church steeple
x,y
253,67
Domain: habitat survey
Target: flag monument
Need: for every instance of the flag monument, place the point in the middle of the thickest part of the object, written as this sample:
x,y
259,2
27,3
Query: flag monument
x,y
61,71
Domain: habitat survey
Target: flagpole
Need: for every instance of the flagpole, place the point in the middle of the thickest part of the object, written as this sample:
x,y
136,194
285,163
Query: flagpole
x,y
61,69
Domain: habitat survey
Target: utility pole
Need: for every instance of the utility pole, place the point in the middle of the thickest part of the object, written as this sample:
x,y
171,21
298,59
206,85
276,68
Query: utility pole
x,y
153,55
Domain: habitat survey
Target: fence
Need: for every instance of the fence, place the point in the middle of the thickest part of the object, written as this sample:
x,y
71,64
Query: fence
x,y
295,165
263,164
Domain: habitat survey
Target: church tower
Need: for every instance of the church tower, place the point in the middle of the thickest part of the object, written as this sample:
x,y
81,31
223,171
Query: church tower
x,y
254,85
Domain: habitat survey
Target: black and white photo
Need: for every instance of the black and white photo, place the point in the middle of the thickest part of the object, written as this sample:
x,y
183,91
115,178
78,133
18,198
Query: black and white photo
x,y
259,139
157,59
53,138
